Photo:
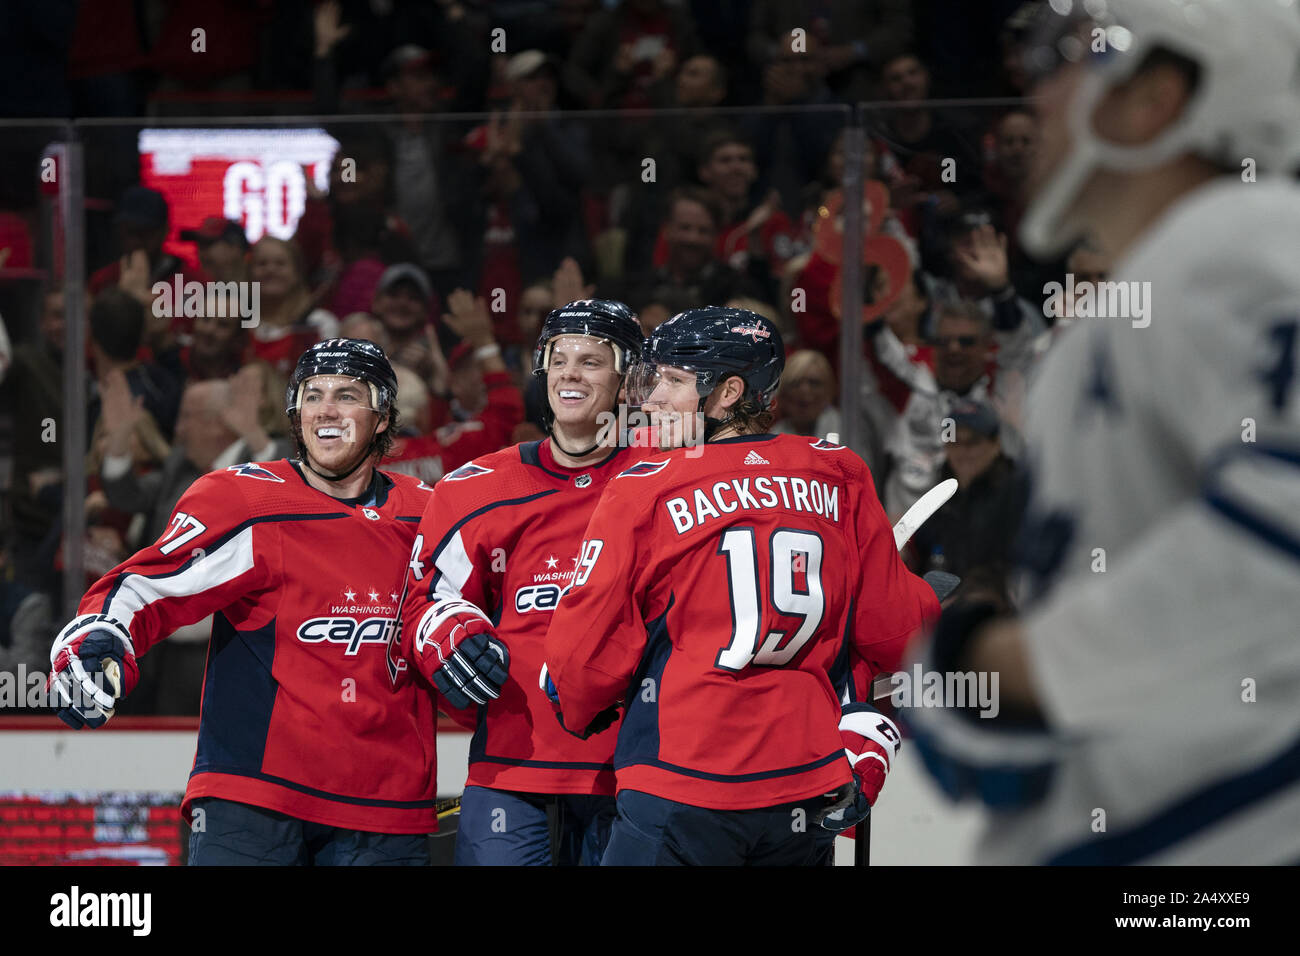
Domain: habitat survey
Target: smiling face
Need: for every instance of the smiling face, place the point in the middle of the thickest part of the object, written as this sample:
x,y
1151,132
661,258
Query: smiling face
x,y
272,266
690,234
730,170
401,308
337,420
672,401
961,348
581,382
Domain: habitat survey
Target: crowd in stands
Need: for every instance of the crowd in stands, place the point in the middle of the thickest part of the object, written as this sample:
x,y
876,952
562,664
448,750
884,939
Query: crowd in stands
x,y
712,175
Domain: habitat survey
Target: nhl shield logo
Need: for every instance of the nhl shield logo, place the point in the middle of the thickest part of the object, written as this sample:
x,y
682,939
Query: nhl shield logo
x,y
582,481
370,513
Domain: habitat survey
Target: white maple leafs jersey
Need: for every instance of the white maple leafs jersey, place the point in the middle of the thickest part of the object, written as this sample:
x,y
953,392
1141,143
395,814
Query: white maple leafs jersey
x,y
1162,600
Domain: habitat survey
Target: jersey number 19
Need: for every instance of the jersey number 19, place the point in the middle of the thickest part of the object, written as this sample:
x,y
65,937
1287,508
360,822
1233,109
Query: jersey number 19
x,y
795,559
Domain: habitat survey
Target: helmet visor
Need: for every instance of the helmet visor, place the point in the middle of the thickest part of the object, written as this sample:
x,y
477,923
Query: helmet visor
x,y
667,386
342,391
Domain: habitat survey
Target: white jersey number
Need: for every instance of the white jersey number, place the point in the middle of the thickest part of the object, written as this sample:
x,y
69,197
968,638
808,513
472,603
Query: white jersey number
x,y
796,569
190,526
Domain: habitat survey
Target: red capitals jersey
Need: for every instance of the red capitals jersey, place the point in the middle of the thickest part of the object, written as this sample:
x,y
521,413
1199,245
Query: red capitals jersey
x,y
503,532
716,588
298,711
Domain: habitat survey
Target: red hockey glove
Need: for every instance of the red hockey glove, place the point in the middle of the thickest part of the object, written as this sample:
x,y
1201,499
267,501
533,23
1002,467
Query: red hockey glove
x,y
456,649
870,742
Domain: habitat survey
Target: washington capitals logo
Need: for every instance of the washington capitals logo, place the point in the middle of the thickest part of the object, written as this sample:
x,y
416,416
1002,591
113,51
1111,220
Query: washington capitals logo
x,y
753,331
825,444
467,471
250,470
643,468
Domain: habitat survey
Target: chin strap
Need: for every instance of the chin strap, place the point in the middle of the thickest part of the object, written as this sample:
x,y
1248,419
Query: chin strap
x,y
713,425
572,454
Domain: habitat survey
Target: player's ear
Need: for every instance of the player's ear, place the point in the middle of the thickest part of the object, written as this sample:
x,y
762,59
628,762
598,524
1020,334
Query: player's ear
x,y
730,392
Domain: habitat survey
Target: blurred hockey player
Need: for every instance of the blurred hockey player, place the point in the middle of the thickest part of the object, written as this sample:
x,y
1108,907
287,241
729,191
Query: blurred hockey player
x,y
1149,687
502,533
715,590
304,754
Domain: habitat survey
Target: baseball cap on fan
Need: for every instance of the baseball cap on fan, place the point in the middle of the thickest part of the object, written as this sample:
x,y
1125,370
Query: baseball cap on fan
x,y
141,207
406,57
214,228
525,64
976,415
406,272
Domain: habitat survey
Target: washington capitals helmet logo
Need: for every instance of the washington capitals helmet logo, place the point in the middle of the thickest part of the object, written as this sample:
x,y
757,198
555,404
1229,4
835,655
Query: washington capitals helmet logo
x,y
753,331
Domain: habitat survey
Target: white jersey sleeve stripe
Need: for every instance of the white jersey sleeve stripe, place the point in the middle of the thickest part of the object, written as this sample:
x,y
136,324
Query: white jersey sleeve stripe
x,y
135,592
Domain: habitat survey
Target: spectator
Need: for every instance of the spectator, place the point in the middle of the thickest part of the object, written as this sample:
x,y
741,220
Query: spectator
x,y
922,397
976,258
922,138
223,248
288,322
794,141
403,303
32,389
675,141
363,325
219,348
701,82
975,531
142,222
1013,140
806,397
756,237
116,329
484,396
349,234
624,53
691,275
851,37
424,175
534,168
26,622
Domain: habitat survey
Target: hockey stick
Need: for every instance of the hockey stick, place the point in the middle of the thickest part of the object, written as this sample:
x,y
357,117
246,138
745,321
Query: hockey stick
x,y
912,519
920,513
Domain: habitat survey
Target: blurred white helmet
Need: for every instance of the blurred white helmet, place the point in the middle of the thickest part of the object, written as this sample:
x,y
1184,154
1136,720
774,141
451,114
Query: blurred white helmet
x,y
1246,103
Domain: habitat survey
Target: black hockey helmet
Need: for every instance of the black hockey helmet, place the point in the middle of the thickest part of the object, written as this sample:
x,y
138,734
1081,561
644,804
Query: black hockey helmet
x,y
355,358
600,318
717,343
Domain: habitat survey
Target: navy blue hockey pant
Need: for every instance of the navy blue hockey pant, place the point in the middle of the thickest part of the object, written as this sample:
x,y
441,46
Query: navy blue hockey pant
x,y
238,834
653,831
505,828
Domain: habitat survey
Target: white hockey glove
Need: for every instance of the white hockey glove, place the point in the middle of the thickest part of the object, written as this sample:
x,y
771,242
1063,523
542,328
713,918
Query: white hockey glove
x,y
92,667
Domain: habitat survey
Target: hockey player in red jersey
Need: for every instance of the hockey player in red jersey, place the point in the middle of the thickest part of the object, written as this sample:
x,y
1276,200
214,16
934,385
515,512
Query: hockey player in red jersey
x,y
715,589
304,754
502,533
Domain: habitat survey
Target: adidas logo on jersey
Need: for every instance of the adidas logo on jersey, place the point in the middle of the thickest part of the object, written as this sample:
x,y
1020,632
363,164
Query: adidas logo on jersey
x,y
754,458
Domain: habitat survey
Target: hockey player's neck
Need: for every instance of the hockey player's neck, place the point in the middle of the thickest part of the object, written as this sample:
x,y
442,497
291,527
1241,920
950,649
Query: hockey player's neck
x,y
353,486
577,441
1127,207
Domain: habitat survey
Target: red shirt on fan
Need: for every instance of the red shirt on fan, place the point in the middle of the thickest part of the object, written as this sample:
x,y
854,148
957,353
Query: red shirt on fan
x,y
429,457
299,713
503,533
715,591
